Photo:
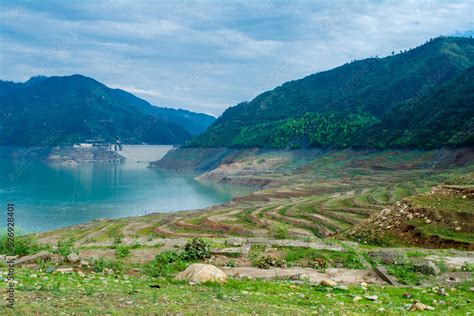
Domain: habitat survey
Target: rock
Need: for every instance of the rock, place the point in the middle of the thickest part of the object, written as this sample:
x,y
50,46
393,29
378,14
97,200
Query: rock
x,y
73,258
417,306
457,229
384,275
202,273
426,267
388,257
371,297
56,259
356,299
108,271
42,255
85,263
65,270
328,282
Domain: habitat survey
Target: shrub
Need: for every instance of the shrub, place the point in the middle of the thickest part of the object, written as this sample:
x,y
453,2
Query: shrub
x,y
122,251
266,262
281,232
64,247
196,249
468,267
352,260
100,264
165,263
320,263
23,245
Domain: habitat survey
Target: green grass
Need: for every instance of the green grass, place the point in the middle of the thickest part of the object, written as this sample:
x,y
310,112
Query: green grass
x,y
405,274
38,292
444,232
444,203
305,257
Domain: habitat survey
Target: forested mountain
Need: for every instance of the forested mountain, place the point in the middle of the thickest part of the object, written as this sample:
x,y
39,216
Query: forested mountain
x,y
195,123
64,110
419,98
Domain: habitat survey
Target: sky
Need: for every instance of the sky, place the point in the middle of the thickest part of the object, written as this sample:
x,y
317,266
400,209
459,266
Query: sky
x,y
205,56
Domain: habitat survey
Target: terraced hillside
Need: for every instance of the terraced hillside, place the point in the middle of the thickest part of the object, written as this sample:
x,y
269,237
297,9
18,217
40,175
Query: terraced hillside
x,y
300,194
440,218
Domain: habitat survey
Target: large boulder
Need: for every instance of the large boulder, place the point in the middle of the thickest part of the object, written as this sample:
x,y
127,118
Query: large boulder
x,y
202,273
426,267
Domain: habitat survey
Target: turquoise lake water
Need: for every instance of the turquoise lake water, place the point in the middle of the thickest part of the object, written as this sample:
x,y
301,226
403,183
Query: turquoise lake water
x,y
52,196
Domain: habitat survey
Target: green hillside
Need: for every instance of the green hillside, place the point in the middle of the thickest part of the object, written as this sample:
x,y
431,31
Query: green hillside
x,y
377,102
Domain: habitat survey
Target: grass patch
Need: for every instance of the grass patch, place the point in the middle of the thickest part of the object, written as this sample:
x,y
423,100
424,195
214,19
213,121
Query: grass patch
x,y
322,258
442,231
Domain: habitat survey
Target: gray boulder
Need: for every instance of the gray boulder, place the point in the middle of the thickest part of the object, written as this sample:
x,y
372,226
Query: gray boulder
x,y
73,258
202,273
426,267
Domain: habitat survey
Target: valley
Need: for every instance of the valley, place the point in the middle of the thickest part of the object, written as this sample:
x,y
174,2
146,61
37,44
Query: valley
x,y
308,232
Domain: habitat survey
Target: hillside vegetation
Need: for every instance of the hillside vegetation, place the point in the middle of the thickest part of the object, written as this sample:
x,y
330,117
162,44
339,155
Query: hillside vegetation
x,y
420,98
52,111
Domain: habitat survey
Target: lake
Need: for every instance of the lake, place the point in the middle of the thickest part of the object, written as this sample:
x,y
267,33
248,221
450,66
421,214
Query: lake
x,y
52,196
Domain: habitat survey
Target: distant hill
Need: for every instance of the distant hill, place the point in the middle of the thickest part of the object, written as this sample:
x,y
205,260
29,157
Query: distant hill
x,y
195,123
419,98
70,109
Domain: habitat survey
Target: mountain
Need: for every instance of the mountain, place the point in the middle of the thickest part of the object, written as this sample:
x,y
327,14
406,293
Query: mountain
x,y
418,98
63,110
195,123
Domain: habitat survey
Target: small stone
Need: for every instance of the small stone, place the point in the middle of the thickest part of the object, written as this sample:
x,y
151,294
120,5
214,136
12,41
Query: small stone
x,y
73,257
108,271
363,284
417,306
371,297
457,229
356,299
442,292
427,221
65,270
303,277
429,308
328,282
341,287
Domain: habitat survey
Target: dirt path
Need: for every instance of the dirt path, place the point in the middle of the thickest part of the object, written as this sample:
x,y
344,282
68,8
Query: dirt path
x,y
341,276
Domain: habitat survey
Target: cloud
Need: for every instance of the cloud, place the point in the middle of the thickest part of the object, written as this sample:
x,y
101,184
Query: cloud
x,y
207,55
